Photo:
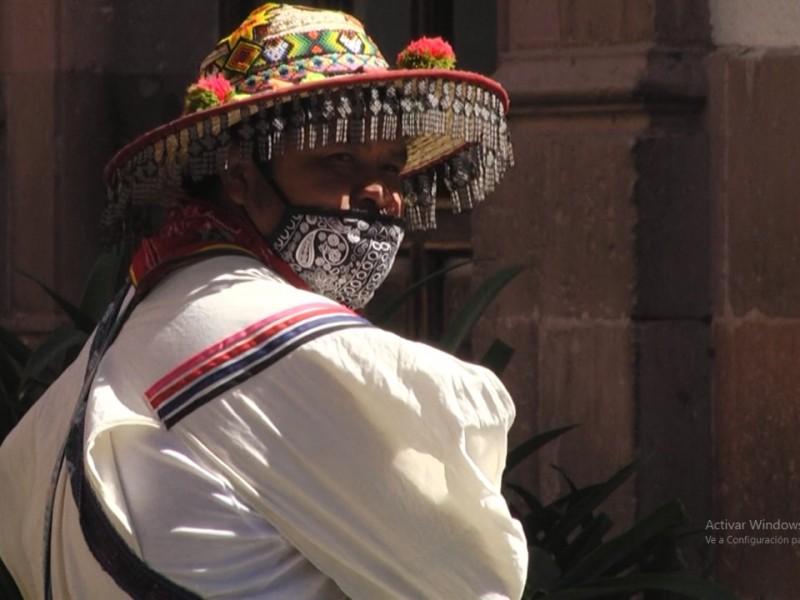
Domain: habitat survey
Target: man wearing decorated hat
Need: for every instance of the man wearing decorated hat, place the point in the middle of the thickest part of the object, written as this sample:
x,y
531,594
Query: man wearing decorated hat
x,y
234,429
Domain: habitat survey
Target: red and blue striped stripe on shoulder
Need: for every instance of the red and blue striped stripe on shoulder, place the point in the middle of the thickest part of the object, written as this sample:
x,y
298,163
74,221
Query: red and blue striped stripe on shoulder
x,y
236,358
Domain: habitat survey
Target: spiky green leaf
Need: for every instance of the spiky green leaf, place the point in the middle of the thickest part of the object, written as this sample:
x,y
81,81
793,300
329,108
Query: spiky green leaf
x,y
382,314
598,562
52,348
524,450
588,502
80,319
497,357
101,285
543,572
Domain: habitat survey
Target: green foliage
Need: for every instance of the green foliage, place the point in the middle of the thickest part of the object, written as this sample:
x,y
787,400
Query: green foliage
x,y
24,372
570,560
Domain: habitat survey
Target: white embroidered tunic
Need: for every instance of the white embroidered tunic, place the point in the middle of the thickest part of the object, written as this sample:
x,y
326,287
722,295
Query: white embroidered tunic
x,y
251,440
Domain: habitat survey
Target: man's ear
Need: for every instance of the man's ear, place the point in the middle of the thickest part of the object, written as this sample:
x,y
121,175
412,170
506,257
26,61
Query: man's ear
x,y
245,189
234,177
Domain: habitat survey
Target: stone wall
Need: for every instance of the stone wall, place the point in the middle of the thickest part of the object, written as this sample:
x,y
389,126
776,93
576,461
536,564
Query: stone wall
x,y
754,84
654,204
755,134
608,209
29,89
78,80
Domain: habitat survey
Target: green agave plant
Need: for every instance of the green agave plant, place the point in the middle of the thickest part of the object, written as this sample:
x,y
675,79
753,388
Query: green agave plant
x,y
569,556
25,373
570,559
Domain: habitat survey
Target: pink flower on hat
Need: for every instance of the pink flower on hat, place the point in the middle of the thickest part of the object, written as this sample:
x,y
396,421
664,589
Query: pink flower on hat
x,y
221,87
208,92
427,53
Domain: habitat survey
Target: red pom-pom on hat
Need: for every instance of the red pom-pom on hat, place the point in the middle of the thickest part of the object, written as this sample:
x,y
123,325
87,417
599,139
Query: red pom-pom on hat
x,y
427,53
217,84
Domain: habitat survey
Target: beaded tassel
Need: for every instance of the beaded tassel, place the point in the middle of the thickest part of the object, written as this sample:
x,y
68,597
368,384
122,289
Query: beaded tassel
x,y
297,121
313,118
389,111
278,125
263,146
344,110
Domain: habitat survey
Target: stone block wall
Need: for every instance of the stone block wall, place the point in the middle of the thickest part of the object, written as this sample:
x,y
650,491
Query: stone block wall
x,y
561,213
655,204
608,209
110,92
78,80
28,88
755,134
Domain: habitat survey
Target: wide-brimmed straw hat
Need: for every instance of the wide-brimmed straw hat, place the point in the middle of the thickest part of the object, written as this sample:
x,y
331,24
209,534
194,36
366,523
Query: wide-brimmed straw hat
x,y
306,77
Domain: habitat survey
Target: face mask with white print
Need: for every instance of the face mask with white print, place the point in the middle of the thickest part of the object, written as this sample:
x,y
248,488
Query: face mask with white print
x,y
344,255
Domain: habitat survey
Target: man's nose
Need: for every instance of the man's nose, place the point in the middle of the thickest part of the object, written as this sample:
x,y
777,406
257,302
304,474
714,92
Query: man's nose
x,y
373,196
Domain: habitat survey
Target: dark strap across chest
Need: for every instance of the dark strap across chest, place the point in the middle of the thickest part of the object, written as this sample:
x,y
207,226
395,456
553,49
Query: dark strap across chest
x,y
272,339
108,547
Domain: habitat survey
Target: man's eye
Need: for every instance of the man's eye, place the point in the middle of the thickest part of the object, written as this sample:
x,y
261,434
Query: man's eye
x,y
341,157
394,169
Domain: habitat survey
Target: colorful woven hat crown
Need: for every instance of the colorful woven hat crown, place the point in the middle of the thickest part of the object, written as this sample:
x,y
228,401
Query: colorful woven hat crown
x,y
306,77
292,44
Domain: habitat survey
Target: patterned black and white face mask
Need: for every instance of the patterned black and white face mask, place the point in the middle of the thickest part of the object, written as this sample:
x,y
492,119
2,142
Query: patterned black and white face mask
x,y
344,255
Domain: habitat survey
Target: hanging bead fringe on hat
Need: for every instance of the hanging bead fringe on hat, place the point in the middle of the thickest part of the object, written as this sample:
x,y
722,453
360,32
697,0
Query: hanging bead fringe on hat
x,y
437,116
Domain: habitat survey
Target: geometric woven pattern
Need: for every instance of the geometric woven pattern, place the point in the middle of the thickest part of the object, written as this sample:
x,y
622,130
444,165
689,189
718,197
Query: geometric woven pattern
x,y
287,43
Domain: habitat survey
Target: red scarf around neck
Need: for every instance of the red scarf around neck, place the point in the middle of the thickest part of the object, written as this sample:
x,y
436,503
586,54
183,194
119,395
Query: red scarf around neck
x,y
194,229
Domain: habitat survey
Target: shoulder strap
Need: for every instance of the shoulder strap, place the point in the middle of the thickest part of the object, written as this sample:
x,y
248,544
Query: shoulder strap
x,y
129,571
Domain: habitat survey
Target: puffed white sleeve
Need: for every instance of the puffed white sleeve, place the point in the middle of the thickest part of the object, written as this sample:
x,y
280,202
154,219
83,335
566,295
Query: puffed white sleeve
x,y
380,461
